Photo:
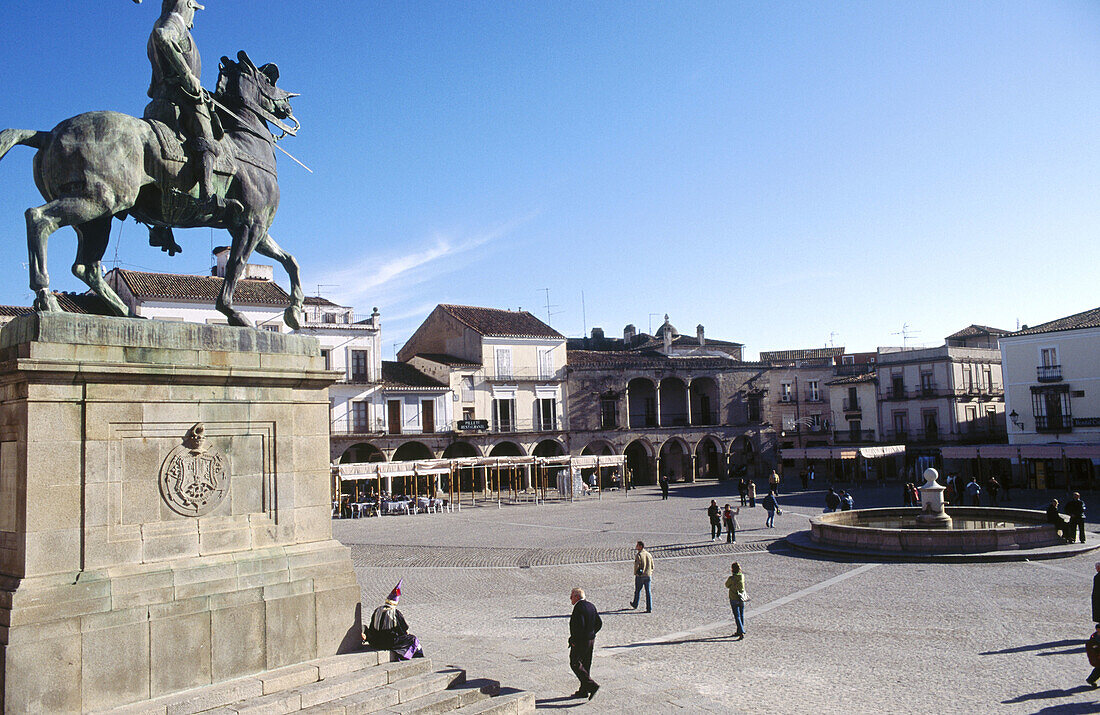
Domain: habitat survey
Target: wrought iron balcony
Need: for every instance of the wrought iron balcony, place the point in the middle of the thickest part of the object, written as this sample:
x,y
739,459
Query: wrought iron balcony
x,y
1053,423
850,436
852,405
1048,373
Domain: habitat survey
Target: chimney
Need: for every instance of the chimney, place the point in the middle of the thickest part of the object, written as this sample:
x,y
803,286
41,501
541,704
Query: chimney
x,y
699,334
221,254
667,335
597,335
628,335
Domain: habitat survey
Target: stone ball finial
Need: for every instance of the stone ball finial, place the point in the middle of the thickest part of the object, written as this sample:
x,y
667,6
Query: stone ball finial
x,y
930,475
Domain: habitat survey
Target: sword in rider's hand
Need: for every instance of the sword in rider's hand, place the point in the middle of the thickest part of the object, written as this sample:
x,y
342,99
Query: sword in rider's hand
x,y
233,114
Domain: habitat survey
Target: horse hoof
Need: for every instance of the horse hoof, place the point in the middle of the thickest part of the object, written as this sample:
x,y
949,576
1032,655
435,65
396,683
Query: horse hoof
x,y
47,303
292,316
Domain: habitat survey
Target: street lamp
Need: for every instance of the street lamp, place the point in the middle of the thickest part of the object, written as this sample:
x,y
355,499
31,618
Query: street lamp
x,y
1016,420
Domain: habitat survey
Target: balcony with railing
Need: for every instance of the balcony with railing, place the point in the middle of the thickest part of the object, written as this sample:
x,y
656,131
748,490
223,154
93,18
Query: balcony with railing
x,y
524,375
1048,373
852,406
979,392
700,419
853,436
1053,423
813,397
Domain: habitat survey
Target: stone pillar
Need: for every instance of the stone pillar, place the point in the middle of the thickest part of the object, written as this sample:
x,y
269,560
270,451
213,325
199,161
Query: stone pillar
x,y
164,510
388,485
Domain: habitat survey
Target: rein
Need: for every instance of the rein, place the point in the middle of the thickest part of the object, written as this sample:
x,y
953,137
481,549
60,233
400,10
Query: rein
x,y
266,135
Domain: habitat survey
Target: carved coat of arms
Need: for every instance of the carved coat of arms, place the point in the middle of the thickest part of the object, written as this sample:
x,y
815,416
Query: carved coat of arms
x,y
194,478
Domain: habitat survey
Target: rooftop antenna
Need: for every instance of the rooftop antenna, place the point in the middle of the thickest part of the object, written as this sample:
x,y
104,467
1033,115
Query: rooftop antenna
x,y
325,285
832,343
395,351
905,332
584,317
651,321
548,305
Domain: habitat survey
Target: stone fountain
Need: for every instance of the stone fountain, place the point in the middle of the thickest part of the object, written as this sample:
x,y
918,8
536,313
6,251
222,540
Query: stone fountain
x,y
932,515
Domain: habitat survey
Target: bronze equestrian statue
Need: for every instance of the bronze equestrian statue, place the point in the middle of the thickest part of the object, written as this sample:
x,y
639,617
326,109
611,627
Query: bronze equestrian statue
x,y
164,170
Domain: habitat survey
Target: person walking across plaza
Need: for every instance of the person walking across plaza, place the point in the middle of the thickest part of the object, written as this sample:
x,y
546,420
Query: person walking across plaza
x,y
994,488
1096,594
771,505
584,624
773,482
1075,510
643,574
751,490
974,492
736,585
832,500
1092,650
729,515
715,520
664,486
743,490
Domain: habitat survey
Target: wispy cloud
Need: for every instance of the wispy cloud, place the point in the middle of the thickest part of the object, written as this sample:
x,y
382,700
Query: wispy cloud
x,y
388,280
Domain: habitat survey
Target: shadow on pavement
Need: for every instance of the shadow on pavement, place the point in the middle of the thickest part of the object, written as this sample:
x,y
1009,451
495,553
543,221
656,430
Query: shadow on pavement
x,y
642,644
1038,646
1050,694
539,618
566,701
1070,709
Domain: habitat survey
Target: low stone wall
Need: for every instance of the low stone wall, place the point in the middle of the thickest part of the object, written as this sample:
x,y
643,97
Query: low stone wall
x,y
843,529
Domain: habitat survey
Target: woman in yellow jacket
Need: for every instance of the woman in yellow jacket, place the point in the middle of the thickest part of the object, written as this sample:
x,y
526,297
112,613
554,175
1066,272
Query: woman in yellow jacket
x,y
736,585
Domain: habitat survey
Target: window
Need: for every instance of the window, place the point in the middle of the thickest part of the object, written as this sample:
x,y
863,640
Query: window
x,y
504,362
901,423
546,364
545,414
753,407
504,415
855,429
852,403
971,419
1048,357
926,384
931,421
609,413
326,355
360,365
987,378
467,413
468,388
847,359
897,386
360,417
785,392
393,416
967,378
813,390
815,422
1050,405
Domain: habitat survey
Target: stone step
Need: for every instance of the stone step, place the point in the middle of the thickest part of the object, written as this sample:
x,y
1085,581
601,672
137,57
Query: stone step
x,y
515,703
441,692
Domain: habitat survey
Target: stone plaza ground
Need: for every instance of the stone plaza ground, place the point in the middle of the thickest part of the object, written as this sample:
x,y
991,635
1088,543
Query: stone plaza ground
x,y
488,589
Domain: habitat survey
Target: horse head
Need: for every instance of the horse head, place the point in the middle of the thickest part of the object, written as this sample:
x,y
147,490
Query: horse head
x,y
254,88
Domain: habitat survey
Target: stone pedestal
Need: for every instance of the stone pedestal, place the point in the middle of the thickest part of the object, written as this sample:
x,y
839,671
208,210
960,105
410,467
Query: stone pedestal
x,y
164,510
933,514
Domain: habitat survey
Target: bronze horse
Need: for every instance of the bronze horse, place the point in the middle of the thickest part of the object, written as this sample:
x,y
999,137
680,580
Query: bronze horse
x,y
102,165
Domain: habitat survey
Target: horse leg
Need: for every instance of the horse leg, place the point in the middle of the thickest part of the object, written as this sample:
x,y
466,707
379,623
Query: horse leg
x,y
42,221
245,238
93,237
293,314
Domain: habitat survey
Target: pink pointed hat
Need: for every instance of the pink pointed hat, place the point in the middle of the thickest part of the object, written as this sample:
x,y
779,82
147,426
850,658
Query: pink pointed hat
x,y
395,594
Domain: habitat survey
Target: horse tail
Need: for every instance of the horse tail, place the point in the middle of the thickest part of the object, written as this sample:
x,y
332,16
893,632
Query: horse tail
x,y
26,137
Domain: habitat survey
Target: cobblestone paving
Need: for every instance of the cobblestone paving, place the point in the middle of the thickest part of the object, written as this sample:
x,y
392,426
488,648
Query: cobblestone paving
x,y
823,636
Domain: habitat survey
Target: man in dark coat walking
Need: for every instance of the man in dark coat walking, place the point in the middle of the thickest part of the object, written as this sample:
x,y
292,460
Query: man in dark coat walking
x,y
1096,595
664,486
584,624
715,520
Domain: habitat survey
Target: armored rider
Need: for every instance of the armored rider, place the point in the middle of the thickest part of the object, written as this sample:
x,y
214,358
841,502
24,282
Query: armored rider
x,y
175,87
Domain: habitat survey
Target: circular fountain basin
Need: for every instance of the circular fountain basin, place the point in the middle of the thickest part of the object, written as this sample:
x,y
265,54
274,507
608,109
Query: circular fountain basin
x,y
973,530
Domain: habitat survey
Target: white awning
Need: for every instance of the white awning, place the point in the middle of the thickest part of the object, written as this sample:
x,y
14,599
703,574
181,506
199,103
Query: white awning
x,y
884,451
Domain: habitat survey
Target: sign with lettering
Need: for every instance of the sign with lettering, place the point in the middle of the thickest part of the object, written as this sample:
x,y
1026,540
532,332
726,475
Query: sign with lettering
x,y
1086,421
473,425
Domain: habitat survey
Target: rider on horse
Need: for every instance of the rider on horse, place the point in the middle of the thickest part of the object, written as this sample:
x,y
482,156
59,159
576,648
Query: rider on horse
x,y
179,100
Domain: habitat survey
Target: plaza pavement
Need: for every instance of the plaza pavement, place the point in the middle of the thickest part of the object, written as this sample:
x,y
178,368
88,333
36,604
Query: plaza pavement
x,y
823,636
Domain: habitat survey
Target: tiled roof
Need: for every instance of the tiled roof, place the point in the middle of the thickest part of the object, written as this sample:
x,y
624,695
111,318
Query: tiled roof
x,y
495,322
808,354
972,331
318,300
683,341
853,379
610,359
1078,321
172,286
15,310
402,376
444,359
70,303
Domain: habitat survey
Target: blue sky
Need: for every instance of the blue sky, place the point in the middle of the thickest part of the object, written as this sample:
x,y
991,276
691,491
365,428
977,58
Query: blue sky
x,y
783,173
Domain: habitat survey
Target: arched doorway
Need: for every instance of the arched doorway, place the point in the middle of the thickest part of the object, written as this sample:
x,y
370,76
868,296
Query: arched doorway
x,y
507,478
598,446
708,459
639,460
674,460
549,448
465,475
411,452
673,398
642,403
703,394
742,458
362,452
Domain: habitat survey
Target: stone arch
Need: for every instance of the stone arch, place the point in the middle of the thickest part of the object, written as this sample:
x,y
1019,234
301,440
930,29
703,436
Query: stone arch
x,y
703,395
362,452
507,449
672,398
411,451
548,448
709,458
742,457
598,446
456,450
674,459
641,403
466,476
639,460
